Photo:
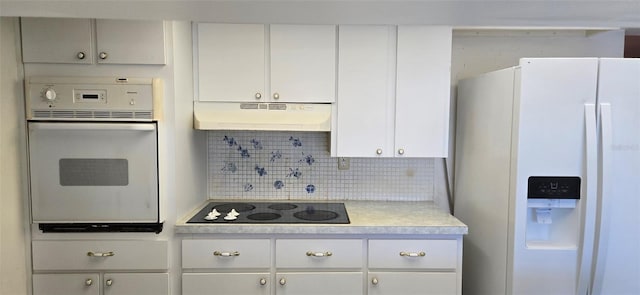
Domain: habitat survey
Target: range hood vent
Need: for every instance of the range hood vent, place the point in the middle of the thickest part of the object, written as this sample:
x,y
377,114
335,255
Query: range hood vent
x,y
262,116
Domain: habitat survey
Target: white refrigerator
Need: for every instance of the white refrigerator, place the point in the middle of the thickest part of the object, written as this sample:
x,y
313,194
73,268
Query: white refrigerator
x,y
547,177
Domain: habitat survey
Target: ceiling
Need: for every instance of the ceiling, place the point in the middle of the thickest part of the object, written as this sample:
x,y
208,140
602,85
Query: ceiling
x,y
463,13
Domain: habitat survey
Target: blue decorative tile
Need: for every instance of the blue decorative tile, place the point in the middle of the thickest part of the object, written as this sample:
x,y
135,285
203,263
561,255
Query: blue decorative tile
x,y
230,167
230,141
256,144
295,141
278,184
275,155
310,189
294,173
307,159
243,152
260,170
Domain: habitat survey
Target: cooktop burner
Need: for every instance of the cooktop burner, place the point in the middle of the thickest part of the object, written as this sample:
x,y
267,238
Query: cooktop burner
x,y
272,212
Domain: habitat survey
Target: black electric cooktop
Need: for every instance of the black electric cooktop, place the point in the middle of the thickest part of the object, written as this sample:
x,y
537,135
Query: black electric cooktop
x,y
273,212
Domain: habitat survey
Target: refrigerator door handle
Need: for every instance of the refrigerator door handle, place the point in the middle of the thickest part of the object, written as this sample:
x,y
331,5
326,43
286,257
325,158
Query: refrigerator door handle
x,y
588,203
602,224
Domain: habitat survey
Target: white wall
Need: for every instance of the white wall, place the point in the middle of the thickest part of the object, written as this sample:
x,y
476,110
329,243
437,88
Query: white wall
x,y
13,245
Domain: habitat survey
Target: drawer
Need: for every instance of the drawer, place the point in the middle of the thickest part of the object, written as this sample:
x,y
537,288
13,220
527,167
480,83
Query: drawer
x,y
320,253
438,254
240,253
100,255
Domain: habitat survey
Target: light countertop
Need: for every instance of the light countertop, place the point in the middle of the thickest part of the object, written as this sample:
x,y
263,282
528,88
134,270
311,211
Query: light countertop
x,y
367,217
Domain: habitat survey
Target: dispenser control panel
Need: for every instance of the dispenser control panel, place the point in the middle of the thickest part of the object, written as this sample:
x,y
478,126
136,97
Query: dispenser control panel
x,y
553,187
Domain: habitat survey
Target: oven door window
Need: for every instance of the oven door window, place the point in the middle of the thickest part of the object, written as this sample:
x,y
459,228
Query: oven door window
x,y
93,172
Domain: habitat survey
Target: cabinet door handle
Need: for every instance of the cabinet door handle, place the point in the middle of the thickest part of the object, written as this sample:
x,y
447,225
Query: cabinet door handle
x,y
319,254
80,55
258,95
276,95
379,152
401,152
413,254
101,254
374,281
263,281
103,55
226,254
88,282
283,281
108,282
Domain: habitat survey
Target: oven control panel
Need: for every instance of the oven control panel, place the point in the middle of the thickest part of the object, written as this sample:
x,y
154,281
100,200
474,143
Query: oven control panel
x,y
87,98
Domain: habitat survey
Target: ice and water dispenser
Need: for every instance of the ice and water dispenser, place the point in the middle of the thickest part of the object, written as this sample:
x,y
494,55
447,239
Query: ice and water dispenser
x,y
552,217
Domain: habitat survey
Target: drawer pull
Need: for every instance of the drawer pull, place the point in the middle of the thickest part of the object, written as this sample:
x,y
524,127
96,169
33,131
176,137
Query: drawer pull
x,y
88,282
319,254
283,281
263,281
109,282
374,281
100,254
226,254
412,254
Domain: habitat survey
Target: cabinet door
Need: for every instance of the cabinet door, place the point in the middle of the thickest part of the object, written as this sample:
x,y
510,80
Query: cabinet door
x,y
231,62
366,71
319,283
66,284
226,283
422,94
303,63
412,283
56,40
136,284
130,42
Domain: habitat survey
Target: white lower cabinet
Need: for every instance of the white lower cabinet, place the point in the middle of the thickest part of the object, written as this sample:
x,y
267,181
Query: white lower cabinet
x,y
412,283
319,283
135,283
312,266
100,267
66,284
424,267
110,283
226,283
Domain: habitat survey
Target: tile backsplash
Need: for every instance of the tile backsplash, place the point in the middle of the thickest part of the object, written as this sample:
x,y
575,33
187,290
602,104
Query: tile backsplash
x,y
297,165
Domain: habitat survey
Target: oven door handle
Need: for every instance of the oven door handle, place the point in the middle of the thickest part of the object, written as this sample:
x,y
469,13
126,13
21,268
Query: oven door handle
x,y
93,126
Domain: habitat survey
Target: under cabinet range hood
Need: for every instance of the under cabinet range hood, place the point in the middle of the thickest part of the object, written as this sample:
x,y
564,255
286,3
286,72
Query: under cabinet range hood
x,y
262,116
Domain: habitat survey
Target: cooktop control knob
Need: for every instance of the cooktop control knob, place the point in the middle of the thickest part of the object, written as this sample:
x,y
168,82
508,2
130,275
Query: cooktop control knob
x,y
49,94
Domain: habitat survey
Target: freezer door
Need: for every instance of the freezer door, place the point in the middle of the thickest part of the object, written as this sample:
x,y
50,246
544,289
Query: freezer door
x,y
617,258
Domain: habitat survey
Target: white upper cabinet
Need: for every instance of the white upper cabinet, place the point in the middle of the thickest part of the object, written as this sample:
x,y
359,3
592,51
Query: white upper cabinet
x,y
130,42
303,63
231,62
423,91
393,91
258,63
56,40
365,91
63,40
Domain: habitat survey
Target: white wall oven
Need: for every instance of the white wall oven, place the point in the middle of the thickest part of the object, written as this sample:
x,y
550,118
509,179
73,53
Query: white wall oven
x,y
93,154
